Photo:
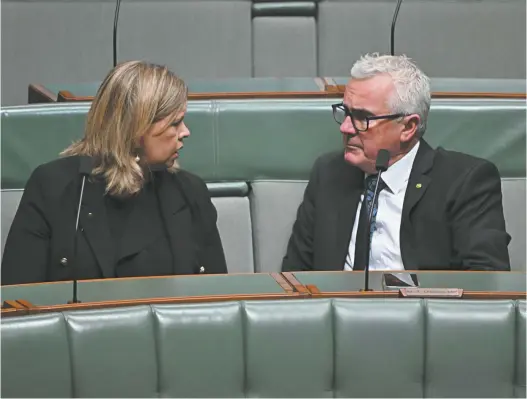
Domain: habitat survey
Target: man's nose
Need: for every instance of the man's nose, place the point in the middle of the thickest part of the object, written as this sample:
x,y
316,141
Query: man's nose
x,y
347,127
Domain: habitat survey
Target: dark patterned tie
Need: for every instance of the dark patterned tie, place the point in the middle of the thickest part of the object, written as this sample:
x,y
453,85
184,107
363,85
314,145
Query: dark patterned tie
x,y
362,247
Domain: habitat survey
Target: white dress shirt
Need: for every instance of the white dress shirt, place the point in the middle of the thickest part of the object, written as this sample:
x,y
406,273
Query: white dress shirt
x,y
385,251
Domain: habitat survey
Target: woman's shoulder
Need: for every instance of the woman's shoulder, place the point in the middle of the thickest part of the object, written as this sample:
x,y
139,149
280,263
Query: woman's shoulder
x,y
191,181
55,171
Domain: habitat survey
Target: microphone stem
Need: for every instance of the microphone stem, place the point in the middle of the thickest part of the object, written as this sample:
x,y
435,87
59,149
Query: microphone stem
x,y
370,216
115,23
392,33
75,299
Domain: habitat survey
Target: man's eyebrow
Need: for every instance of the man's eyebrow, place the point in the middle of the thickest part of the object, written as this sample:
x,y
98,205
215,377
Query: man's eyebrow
x,y
362,111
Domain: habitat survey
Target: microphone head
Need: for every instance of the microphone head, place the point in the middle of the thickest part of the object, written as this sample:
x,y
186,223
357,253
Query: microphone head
x,y
383,158
85,165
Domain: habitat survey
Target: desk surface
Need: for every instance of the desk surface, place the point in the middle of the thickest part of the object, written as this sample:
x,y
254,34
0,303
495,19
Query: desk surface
x,y
57,293
294,87
200,89
353,282
263,286
457,87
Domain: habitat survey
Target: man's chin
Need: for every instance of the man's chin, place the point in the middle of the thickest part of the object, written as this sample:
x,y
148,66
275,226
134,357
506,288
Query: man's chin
x,y
353,155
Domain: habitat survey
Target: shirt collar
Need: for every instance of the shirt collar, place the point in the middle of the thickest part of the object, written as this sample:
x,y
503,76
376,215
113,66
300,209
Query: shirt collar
x,y
397,175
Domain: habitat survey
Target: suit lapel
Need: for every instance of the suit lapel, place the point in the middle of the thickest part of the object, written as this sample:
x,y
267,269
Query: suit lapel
x,y
418,183
349,199
94,224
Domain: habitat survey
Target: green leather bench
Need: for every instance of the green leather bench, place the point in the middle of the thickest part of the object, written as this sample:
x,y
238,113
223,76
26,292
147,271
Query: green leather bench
x,y
256,156
291,348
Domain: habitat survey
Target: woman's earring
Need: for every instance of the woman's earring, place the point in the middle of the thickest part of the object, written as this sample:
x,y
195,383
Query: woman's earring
x,y
137,159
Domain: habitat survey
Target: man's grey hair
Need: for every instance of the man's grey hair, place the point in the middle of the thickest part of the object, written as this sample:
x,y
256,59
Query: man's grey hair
x,y
412,86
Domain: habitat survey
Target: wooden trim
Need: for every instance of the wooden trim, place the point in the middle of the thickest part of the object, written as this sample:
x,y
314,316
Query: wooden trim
x,y
442,94
299,287
138,278
39,94
418,272
153,301
321,83
12,304
313,289
494,295
475,295
67,96
331,92
25,304
282,282
357,294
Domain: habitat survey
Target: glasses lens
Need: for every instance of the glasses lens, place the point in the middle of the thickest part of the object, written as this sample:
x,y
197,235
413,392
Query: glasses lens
x,y
339,114
360,124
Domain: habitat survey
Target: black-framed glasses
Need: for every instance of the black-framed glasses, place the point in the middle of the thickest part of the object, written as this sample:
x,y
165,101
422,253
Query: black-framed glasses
x,y
360,119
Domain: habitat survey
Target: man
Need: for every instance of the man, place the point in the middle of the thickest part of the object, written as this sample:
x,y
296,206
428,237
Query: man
x,y
437,209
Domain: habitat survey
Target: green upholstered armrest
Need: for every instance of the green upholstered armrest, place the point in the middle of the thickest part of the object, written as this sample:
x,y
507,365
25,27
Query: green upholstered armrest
x,y
285,8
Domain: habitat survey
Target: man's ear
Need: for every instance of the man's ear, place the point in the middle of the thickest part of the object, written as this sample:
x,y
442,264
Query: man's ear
x,y
410,124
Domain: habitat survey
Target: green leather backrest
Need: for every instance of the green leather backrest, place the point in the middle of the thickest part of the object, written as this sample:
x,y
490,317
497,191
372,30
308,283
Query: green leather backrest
x,y
240,140
293,348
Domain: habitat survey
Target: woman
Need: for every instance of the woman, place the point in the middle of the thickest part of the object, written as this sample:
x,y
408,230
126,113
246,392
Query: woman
x,y
140,214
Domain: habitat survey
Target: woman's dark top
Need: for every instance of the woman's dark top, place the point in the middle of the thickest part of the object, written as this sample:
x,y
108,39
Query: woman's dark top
x,y
168,228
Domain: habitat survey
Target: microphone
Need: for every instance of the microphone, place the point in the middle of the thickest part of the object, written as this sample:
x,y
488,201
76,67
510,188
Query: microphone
x,y
392,37
381,164
85,169
115,23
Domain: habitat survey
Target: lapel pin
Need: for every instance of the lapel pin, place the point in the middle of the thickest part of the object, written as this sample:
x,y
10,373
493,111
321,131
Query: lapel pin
x,y
418,185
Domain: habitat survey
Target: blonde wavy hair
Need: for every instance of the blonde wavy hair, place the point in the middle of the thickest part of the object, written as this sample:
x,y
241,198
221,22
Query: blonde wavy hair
x,y
131,98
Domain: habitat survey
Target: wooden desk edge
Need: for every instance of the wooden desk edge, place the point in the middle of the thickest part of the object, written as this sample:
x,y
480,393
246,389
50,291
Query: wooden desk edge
x,y
67,96
283,283
334,88
299,287
329,91
39,94
147,301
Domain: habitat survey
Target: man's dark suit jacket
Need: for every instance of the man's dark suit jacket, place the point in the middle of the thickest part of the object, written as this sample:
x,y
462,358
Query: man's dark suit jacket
x,y
452,221
40,244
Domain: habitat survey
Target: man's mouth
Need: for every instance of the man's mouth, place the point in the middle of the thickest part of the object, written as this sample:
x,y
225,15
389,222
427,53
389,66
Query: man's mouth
x,y
352,146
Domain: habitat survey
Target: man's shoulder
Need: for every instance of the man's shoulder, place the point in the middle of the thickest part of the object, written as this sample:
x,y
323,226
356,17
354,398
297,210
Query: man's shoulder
x,y
330,160
459,161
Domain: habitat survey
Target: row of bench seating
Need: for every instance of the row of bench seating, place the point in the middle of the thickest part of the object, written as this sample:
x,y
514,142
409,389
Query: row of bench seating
x,y
256,156
255,38
320,348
